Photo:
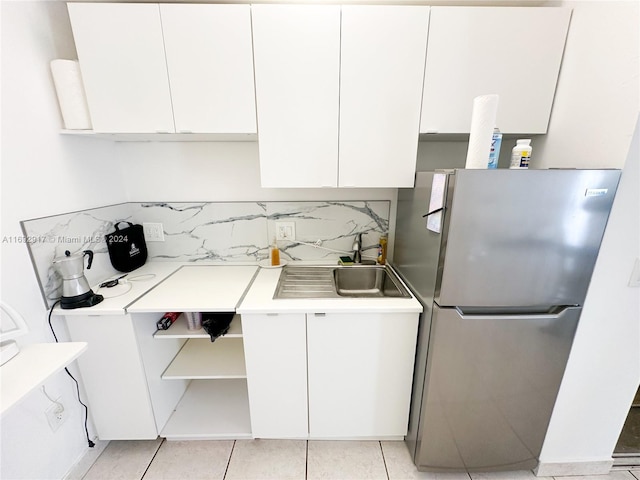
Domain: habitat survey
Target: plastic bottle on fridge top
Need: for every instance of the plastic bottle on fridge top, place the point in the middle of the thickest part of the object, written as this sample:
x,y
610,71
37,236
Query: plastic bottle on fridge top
x,y
494,153
521,153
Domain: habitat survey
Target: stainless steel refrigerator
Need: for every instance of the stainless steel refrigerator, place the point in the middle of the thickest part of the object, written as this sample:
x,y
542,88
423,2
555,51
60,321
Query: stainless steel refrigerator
x,y
501,261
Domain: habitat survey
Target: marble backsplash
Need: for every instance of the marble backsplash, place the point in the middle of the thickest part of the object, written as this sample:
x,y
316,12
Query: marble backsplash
x,y
212,232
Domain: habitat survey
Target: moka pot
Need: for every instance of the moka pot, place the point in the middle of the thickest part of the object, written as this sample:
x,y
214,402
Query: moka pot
x,y
76,291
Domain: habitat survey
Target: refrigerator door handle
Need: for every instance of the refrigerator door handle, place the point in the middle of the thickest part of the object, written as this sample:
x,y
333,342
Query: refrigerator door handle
x,y
552,314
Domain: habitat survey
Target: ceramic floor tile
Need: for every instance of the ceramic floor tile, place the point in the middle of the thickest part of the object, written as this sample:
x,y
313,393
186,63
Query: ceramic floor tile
x,y
400,466
345,460
636,473
195,460
516,475
268,460
124,460
616,475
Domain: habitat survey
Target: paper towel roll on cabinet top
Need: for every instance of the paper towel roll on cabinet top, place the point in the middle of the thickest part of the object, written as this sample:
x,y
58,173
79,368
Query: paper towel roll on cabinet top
x,y
71,98
483,121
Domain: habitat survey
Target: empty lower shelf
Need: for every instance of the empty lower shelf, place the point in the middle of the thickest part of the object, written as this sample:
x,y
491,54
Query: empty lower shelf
x,y
211,409
201,359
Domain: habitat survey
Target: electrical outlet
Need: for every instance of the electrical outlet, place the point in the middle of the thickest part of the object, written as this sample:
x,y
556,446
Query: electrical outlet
x,y
285,231
153,232
55,415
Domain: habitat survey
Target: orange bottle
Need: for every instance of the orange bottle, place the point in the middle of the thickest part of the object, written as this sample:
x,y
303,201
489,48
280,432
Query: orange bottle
x,y
382,250
275,254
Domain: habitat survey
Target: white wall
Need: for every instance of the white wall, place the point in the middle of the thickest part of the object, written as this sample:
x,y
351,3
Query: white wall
x,y
603,372
226,171
42,173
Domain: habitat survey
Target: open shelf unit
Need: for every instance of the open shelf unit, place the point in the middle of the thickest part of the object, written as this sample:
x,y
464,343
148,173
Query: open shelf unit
x,y
215,404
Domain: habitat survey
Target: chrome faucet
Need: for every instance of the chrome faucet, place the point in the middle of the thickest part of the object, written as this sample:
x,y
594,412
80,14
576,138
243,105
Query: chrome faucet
x,y
357,249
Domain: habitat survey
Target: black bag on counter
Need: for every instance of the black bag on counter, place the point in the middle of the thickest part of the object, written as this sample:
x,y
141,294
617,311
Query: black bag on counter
x,y
127,248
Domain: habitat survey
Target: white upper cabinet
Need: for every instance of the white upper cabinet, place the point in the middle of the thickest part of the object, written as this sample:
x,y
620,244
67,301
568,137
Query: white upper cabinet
x,y
381,77
338,93
204,81
209,58
297,63
514,52
123,66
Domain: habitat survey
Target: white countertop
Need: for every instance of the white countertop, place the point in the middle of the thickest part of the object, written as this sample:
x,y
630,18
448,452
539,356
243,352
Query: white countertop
x,y
128,290
175,286
32,366
259,299
198,288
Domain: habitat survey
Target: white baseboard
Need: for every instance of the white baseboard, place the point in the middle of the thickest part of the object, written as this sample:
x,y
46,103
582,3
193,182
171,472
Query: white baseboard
x,y
85,462
627,461
573,468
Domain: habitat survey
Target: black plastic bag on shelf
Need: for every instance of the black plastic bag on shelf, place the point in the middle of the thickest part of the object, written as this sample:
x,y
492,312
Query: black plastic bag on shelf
x,y
216,324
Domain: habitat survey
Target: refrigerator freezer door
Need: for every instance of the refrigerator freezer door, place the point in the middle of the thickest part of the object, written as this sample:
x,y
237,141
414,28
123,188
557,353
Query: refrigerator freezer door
x,y
523,238
490,387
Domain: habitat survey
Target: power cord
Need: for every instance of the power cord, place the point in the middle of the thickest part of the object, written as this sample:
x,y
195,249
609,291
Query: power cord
x,y
86,410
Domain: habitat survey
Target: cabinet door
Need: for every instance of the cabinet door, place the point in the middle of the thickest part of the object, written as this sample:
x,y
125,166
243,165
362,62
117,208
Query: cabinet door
x,y
382,59
514,52
210,63
360,369
113,376
123,66
275,357
297,61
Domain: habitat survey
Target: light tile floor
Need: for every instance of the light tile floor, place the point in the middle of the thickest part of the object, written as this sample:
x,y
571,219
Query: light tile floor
x,y
281,460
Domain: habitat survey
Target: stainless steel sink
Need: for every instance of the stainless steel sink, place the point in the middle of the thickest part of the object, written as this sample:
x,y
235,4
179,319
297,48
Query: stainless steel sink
x,y
334,282
368,282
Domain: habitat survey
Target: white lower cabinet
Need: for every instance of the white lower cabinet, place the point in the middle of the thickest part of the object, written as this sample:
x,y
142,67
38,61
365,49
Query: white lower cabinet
x,y
360,369
114,377
330,375
276,358
142,383
298,375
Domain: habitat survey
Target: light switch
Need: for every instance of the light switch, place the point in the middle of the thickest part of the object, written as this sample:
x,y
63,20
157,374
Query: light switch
x,y
285,231
153,232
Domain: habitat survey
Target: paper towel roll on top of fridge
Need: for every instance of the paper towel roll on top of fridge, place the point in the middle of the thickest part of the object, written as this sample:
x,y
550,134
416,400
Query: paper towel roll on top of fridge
x,y
73,103
483,121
